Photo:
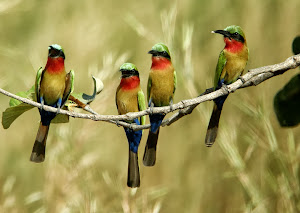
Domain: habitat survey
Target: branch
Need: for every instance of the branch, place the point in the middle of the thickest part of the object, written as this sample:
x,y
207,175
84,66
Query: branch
x,y
252,78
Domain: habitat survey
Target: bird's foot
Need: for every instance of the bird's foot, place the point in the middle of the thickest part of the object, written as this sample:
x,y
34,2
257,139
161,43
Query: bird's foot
x,y
58,110
59,104
224,86
130,126
171,106
151,108
42,106
242,79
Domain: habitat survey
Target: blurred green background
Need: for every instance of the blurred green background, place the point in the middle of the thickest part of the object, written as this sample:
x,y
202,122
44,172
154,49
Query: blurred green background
x,y
254,164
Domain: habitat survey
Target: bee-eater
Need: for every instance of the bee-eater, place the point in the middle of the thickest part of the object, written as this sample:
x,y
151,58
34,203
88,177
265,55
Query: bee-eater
x,y
160,92
232,61
52,87
130,98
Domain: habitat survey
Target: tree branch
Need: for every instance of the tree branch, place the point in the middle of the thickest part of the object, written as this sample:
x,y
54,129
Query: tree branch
x,y
252,78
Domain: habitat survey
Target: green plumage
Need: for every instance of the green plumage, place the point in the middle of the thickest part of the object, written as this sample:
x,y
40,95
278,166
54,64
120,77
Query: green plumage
x,y
142,106
160,92
219,68
231,63
52,87
130,98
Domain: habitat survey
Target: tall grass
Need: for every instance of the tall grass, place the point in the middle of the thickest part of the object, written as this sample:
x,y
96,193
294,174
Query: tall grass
x,y
252,167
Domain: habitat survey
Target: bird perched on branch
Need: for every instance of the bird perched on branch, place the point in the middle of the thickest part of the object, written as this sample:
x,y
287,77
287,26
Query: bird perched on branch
x,y
130,98
52,87
232,61
160,92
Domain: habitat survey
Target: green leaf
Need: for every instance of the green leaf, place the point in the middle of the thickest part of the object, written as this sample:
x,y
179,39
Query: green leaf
x,y
296,45
287,103
17,108
86,99
30,94
12,113
60,118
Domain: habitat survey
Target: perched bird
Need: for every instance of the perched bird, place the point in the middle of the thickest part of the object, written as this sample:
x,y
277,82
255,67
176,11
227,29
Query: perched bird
x,y
52,87
130,98
232,61
160,92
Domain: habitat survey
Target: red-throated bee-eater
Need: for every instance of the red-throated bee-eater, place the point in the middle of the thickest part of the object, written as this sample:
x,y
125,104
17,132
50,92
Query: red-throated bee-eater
x,y
160,92
232,61
52,87
130,98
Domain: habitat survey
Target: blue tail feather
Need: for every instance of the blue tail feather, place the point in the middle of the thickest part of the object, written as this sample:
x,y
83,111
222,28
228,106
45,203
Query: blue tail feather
x,y
47,117
134,137
155,121
220,101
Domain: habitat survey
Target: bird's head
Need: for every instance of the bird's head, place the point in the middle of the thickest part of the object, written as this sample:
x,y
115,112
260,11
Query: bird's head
x,y
234,38
160,50
232,32
56,51
128,70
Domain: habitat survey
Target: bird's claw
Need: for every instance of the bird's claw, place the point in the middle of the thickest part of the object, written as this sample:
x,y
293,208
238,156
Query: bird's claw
x,y
171,106
224,86
151,108
130,126
42,106
242,79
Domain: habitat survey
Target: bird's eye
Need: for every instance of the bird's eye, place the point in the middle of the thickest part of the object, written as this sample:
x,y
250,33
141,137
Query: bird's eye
x,y
235,33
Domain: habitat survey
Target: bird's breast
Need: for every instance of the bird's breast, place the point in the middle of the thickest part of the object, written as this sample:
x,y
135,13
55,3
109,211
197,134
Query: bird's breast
x,y
52,87
235,65
127,101
162,86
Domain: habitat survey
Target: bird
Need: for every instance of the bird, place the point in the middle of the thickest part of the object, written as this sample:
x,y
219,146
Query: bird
x,y
161,87
130,98
52,87
231,64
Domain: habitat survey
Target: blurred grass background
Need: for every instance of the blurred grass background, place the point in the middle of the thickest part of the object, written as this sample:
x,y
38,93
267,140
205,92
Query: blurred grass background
x,y
254,164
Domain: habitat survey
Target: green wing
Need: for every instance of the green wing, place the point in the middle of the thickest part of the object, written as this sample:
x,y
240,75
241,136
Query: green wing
x,y
142,105
175,81
69,86
220,66
149,88
38,83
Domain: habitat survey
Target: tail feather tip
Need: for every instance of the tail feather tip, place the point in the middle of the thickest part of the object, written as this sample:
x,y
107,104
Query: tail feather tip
x,y
37,158
133,184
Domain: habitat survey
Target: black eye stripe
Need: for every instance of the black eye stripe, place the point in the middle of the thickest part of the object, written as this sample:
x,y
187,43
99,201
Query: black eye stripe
x,y
128,73
164,54
237,37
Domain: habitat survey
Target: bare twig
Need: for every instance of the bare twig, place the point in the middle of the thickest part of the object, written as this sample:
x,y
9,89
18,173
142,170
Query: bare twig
x,y
252,78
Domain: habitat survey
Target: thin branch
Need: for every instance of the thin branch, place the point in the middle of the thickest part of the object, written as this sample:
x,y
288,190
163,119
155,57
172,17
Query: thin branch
x,y
252,78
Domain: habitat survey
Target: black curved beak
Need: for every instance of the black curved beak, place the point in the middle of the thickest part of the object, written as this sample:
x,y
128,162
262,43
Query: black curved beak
x,y
222,32
54,53
153,52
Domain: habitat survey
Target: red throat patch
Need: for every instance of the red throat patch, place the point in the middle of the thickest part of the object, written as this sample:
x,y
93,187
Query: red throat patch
x,y
130,83
55,65
160,63
232,45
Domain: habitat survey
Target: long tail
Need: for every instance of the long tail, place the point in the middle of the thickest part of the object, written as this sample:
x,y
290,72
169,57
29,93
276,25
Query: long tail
x,y
134,138
213,125
133,177
39,147
150,149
